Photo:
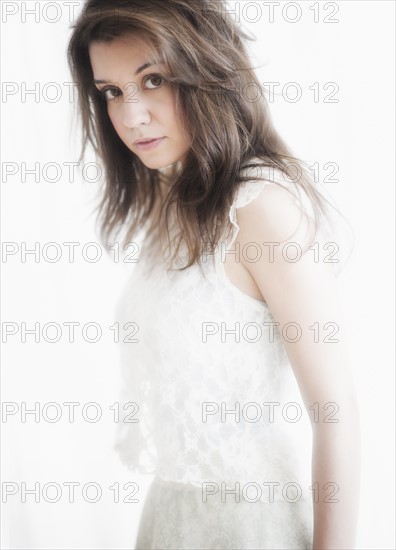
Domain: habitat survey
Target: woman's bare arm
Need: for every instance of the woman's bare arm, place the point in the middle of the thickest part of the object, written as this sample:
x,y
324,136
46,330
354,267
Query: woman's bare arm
x,y
305,292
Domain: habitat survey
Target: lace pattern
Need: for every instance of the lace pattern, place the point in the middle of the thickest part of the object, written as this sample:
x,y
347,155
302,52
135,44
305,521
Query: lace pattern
x,y
205,364
188,360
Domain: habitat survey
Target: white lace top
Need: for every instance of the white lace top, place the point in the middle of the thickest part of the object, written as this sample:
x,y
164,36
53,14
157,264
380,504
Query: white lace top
x,y
201,344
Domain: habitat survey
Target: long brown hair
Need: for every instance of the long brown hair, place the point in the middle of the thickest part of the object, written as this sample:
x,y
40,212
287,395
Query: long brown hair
x,y
208,66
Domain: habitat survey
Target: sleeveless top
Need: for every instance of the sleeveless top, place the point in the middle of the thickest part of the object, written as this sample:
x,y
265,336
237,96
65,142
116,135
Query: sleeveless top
x,y
207,386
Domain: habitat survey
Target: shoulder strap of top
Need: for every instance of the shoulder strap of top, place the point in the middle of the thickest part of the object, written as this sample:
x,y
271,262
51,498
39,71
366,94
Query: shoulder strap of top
x,y
338,234
251,189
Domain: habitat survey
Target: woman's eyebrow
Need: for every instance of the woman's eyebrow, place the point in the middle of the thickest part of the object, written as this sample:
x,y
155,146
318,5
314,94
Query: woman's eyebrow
x,y
139,70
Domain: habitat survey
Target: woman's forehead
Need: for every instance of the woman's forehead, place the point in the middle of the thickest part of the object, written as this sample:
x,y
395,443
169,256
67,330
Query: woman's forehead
x,y
131,51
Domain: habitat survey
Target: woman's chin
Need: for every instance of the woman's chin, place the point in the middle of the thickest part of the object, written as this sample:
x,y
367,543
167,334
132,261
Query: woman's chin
x,y
158,164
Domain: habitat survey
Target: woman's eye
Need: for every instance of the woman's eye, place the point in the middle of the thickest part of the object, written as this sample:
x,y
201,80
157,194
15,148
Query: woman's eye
x,y
111,93
156,79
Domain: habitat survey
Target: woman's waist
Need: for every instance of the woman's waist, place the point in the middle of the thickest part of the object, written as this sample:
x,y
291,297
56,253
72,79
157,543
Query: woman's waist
x,y
238,490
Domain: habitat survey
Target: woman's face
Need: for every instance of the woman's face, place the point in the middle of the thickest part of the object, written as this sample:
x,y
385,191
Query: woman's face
x,y
140,102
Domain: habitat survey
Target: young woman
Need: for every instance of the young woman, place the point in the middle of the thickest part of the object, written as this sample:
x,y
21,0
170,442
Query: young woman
x,y
237,374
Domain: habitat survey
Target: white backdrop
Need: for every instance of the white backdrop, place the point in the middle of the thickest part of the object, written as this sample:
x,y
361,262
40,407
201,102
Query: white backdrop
x,y
352,56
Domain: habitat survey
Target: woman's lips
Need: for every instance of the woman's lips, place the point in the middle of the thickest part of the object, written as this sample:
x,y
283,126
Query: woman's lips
x,y
146,145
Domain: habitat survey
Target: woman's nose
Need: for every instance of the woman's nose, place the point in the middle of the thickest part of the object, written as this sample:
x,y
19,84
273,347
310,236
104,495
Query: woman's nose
x,y
134,111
